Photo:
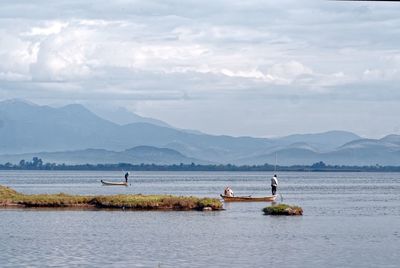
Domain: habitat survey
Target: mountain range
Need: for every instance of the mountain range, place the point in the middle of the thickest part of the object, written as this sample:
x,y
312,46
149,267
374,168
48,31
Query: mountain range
x,y
74,134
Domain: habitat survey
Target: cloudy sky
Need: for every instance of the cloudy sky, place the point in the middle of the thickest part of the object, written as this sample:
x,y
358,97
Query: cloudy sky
x,y
258,68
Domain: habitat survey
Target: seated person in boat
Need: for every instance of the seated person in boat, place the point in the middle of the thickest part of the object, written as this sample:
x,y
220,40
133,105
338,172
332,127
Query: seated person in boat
x,y
228,192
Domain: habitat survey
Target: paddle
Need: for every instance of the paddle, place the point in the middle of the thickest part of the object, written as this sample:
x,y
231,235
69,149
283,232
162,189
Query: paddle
x,y
276,160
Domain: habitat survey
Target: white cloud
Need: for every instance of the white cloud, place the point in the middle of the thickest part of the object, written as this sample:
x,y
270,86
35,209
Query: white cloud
x,y
381,75
10,76
49,28
62,56
16,54
288,72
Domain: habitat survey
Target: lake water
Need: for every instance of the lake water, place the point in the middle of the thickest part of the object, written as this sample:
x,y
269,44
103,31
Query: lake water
x,y
350,220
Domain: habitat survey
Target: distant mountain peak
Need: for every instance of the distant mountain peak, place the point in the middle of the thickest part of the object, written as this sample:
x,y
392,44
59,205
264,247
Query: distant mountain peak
x,y
17,101
123,116
76,107
357,143
326,133
302,145
324,141
392,138
145,149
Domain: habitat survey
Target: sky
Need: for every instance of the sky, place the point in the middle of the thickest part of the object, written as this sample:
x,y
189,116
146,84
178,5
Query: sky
x,y
241,68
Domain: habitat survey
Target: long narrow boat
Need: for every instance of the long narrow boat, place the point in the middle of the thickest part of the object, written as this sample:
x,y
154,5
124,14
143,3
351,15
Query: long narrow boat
x,y
248,198
110,183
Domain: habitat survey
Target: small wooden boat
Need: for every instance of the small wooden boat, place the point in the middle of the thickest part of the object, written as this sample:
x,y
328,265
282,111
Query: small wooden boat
x,y
248,198
110,183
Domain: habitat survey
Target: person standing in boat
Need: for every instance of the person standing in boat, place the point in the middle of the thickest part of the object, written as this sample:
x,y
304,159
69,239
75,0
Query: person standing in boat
x,y
274,184
126,177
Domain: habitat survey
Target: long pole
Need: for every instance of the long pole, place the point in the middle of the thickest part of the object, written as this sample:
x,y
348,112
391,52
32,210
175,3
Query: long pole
x,y
276,160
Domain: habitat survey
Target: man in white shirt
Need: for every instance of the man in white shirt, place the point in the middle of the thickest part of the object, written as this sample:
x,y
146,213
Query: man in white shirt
x,y
228,192
274,184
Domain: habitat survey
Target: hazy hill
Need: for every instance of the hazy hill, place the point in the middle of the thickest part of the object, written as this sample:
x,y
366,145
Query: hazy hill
x,y
385,151
321,141
393,139
136,155
25,127
122,116
29,128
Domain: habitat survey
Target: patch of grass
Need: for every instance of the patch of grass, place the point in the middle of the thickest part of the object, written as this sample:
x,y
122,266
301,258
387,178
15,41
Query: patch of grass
x,y
7,192
283,209
53,200
7,195
209,202
156,202
170,202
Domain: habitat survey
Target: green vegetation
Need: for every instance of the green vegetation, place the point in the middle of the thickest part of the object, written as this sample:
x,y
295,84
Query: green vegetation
x,y
7,193
156,202
283,209
38,164
9,197
53,200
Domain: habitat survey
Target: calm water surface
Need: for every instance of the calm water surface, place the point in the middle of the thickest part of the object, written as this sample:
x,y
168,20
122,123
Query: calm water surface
x,y
350,220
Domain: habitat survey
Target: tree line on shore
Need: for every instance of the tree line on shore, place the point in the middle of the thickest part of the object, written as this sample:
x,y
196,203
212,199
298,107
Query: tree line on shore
x,y
38,164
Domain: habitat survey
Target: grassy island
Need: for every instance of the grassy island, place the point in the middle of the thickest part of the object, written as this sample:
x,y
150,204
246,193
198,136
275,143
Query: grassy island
x,y
11,198
283,209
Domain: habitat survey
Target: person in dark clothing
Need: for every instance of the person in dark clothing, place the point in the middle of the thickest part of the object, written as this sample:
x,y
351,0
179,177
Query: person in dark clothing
x,y
274,184
126,177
